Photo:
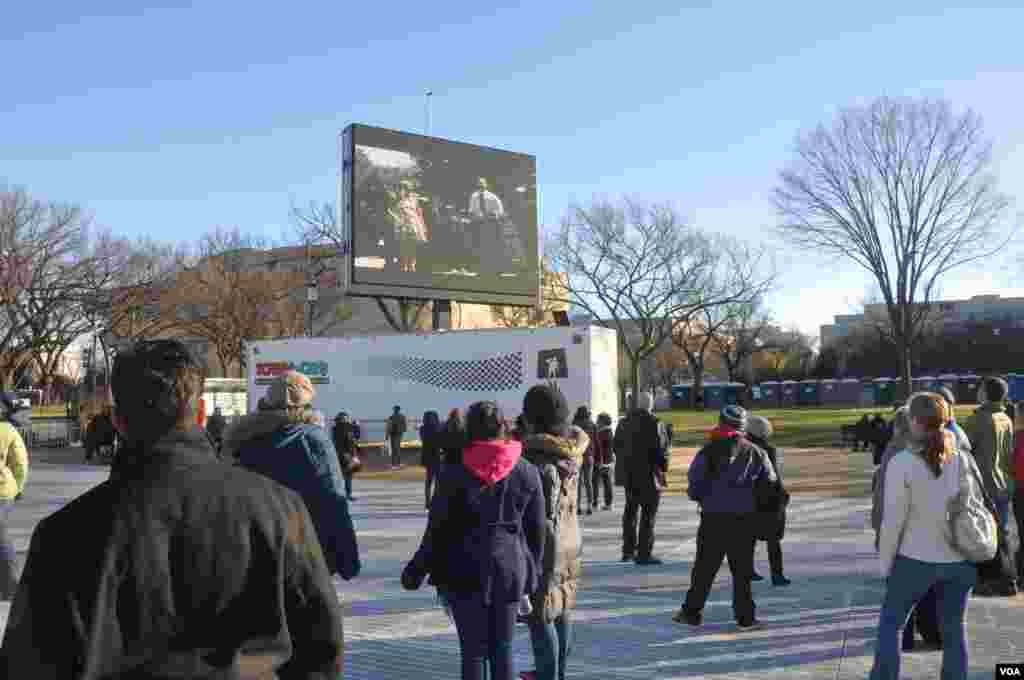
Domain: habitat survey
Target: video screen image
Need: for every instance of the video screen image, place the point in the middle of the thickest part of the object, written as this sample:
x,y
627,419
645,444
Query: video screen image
x,y
436,214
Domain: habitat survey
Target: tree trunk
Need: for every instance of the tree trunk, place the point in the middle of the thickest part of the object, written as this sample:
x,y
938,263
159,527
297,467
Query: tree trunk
x,y
906,369
635,375
698,386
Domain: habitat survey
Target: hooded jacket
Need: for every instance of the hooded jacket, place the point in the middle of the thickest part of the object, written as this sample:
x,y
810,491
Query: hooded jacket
x,y
13,462
302,458
991,434
724,473
557,459
485,533
183,567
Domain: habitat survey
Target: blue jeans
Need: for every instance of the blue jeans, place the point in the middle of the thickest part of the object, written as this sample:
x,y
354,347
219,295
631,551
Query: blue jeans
x,y
8,555
485,636
907,584
552,643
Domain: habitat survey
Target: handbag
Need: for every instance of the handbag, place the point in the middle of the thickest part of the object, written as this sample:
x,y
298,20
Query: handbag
x,y
972,526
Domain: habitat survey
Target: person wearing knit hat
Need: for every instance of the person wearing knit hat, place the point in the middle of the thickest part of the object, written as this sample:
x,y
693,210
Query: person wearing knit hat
x,y
641,446
283,441
759,431
722,479
557,452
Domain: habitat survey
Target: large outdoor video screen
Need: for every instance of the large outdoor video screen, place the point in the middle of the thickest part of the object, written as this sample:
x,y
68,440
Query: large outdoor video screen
x,y
440,219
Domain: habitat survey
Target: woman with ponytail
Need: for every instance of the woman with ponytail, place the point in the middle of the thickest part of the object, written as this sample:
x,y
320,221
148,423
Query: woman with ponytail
x,y
914,541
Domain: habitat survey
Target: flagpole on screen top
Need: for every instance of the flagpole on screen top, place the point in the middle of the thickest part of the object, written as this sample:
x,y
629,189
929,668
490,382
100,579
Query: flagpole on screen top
x,y
427,95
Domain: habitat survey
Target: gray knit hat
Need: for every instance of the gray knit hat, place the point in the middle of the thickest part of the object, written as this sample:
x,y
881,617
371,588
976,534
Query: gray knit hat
x,y
734,416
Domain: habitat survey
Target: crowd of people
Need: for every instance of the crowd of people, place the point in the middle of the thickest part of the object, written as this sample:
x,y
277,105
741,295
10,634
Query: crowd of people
x,y
217,554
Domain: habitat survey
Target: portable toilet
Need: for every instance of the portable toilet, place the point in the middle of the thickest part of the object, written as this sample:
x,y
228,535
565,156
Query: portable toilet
x,y
810,393
681,395
789,393
733,391
830,393
850,391
714,396
868,393
1016,383
966,391
770,393
884,390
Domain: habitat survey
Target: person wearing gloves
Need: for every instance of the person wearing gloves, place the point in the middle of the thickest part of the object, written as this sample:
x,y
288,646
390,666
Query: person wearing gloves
x,y
725,478
282,442
915,550
557,451
604,459
484,543
13,473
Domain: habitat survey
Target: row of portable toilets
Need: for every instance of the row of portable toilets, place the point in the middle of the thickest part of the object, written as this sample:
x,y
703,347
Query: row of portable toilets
x,y
848,392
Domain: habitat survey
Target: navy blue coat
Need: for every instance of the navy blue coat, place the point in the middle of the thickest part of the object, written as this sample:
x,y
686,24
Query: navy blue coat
x,y
485,540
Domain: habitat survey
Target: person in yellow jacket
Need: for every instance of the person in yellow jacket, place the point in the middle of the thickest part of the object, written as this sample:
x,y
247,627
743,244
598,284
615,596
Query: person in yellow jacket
x,y
13,473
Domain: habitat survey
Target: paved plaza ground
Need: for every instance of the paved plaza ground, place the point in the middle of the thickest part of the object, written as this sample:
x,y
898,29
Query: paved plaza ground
x,y
823,626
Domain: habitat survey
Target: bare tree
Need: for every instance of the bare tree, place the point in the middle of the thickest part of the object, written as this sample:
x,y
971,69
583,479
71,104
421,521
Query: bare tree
x,y
637,268
905,189
743,335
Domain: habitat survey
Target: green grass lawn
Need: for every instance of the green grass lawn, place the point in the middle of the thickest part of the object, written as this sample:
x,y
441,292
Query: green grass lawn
x,y
794,427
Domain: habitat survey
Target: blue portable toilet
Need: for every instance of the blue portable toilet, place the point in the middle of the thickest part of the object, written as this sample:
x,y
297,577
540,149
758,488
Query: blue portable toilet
x,y
714,396
790,393
681,395
1016,384
732,393
849,391
810,393
884,391
868,394
770,393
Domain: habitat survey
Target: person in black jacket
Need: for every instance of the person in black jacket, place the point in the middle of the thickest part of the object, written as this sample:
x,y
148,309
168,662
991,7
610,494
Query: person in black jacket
x,y
641,445
453,439
758,431
180,561
484,543
345,437
724,478
430,450
583,421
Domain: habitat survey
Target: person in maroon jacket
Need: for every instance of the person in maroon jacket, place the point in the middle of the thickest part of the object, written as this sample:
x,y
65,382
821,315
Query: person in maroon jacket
x,y
604,459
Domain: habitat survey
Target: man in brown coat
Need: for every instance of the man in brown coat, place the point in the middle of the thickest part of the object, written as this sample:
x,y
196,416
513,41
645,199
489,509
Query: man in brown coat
x,y
184,566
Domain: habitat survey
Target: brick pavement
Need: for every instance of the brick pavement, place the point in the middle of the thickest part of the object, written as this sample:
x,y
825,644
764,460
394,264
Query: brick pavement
x,y
820,627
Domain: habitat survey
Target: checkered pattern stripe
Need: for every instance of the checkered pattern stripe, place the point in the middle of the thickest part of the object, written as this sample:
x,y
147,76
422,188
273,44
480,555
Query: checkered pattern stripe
x,y
493,374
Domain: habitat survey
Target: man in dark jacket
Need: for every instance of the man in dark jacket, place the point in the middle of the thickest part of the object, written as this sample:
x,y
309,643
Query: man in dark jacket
x,y
397,426
345,437
183,566
642,441
723,478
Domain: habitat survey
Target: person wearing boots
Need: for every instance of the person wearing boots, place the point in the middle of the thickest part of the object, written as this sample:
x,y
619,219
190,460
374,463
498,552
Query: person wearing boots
x,y
345,437
723,479
583,421
759,430
643,441
604,459
557,457
396,426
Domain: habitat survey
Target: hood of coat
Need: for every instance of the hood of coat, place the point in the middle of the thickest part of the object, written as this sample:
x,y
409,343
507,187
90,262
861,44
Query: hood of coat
x,y
255,426
492,461
565,453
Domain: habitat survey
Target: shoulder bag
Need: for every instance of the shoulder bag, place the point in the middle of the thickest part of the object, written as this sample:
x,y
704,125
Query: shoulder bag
x,y
972,526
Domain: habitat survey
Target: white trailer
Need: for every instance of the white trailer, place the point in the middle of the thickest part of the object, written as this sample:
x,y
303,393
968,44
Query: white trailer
x,y
366,376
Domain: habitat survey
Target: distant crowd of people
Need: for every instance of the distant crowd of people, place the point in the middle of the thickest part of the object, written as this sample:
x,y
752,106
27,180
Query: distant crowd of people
x,y
215,550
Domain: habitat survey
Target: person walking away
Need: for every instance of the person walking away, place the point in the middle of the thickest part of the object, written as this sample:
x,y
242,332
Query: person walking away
x,y
13,474
583,421
484,544
645,468
215,426
397,427
915,549
724,478
557,458
604,459
991,434
759,430
345,437
281,442
430,448
183,566
454,439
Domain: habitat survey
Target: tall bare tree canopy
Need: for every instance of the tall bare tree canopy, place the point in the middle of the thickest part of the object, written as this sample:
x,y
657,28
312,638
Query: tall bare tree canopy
x,y
638,268
905,189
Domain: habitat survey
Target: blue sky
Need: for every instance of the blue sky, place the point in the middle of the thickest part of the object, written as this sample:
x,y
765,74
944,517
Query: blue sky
x,y
174,119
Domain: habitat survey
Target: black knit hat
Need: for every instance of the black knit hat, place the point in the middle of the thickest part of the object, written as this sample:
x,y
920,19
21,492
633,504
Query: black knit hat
x,y
546,409
734,416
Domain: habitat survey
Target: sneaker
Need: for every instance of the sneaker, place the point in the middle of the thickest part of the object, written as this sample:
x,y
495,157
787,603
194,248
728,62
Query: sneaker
x,y
756,577
780,581
648,561
749,625
683,616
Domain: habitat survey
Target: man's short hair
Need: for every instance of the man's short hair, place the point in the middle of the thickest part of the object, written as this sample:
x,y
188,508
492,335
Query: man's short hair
x,y
155,385
996,390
